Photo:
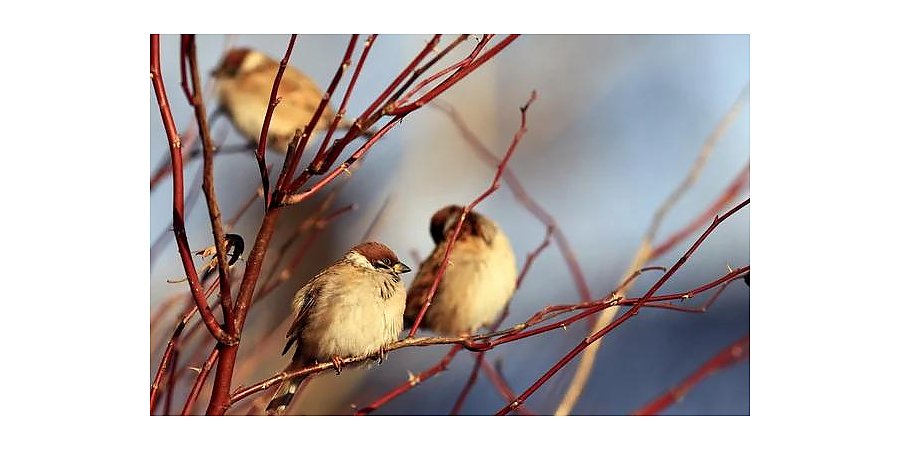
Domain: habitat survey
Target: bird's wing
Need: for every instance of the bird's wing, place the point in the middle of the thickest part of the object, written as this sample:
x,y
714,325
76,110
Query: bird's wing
x,y
304,300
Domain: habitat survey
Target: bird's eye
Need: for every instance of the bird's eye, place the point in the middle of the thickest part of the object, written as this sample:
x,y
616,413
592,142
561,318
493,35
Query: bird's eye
x,y
381,264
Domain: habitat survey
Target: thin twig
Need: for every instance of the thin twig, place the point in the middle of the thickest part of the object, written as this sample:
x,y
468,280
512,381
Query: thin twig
x,y
453,79
730,355
468,60
414,380
418,72
165,168
343,168
198,383
267,121
170,389
728,195
209,189
167,362
284,180
497,379
342,109
470,383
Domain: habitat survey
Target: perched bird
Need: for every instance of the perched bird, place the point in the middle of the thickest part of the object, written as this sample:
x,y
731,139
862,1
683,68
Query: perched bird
x,y
245,78
352,308
478,282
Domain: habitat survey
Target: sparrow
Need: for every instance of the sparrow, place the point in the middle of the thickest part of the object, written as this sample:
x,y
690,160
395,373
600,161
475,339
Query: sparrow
x,y
478,282
352,308
244,85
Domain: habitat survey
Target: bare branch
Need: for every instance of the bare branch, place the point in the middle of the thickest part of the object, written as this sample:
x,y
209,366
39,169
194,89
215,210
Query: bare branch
x,y
730,355
178,197
267,121
414,380
209,189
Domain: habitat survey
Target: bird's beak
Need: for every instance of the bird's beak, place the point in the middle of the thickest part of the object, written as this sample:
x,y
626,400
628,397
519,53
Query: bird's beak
x,y
401,268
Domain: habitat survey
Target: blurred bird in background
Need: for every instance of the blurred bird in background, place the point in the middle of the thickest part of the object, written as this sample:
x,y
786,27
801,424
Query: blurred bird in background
x,y
478,282
245,78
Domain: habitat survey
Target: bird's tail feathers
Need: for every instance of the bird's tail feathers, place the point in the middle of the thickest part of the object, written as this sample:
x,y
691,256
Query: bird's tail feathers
x,y
286,392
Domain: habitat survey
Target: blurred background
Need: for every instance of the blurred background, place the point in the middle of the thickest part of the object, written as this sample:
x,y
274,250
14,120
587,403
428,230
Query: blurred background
x,y
618,123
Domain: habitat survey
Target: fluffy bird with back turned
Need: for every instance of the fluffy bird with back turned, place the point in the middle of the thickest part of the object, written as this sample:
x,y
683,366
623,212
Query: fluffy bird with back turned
x,y
352,308
245,78
478,282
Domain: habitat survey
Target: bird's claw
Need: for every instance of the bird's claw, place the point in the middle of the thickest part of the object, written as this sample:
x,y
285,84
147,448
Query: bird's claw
x,y
338,364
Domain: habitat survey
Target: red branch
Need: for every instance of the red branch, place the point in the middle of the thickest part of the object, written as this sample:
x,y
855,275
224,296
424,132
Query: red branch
x,y
209,190
324,160
497,380
468,60
727,196
184,249
344,167
495,377
168,362
187,40
418,72
450,81
429,47
165,168
529,259
495,184
270,111
170,302
413,381
284,181
370,116
470,383
733,354
700,309
621,319
342,109
198,383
